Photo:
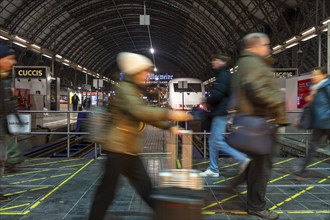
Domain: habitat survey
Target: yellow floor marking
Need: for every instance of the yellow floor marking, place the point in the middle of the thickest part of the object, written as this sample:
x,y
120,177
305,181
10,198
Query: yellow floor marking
x,y
42,178
296,195
31,190
53,162
58,186
40,188
224,180
298,212
34,205
283,161
13,207
59,175
28,181
75,165
318,162
25,173
271,181
14,193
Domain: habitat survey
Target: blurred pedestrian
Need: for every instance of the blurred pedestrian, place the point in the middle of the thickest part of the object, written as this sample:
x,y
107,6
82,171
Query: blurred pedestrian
x,y
319,102
7,102
122,146
259,95
87,102
75,101
217,103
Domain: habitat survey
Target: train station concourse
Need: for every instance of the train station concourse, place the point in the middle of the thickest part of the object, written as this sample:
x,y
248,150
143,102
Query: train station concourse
x,y
70,69
63,188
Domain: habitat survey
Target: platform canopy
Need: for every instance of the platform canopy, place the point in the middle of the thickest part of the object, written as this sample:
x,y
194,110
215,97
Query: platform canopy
x,y
184,34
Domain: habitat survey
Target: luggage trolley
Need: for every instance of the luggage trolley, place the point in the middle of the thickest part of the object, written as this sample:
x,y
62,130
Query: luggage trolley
x,y
180,193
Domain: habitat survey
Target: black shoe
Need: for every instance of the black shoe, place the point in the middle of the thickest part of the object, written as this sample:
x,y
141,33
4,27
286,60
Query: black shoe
x,y
4,198
266,214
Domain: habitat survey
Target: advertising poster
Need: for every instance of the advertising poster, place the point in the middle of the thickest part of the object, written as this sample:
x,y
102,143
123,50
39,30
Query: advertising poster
x,y
303,91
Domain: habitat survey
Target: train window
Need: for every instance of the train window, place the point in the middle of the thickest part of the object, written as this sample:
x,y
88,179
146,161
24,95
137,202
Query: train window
x,y
192,87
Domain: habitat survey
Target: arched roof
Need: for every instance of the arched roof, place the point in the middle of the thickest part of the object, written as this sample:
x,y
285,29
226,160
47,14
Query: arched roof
x,y
184,33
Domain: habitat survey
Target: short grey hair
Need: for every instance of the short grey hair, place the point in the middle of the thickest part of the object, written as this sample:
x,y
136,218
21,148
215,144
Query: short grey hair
x,y
252,39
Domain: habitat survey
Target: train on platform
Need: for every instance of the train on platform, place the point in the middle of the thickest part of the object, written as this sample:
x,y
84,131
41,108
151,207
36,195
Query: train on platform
x,y
185,93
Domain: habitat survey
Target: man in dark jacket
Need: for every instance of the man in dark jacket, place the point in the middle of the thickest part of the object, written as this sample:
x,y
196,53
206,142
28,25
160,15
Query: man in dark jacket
x,y
319,100
75,101
218,103
7,60
258,95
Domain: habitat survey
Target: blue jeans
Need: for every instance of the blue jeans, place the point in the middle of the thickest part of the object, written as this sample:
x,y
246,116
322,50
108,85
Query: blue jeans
x,y
217,142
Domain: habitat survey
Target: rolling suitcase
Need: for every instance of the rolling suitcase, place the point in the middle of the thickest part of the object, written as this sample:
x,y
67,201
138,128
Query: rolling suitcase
x,y
180,195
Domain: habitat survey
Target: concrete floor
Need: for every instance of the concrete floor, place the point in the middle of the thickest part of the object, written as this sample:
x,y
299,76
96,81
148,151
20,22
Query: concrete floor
x,y
54,188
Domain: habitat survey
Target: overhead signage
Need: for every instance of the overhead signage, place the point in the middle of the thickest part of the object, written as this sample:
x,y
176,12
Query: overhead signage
x,y
30,71
161,77
302,91
285,72
14,125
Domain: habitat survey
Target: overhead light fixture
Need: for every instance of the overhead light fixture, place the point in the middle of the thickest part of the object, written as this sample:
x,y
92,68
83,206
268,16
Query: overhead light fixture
x,y
290,40
65,60
325,29
308,31
152,50
309,37
326,21
277,47
3,31
20,39
155,69
79,66
35,46
66,64
4,38
19,44
292,45
45,55
58,56
276,52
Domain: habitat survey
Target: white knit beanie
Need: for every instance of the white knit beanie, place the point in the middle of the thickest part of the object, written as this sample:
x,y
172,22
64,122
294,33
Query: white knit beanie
x,y
132,63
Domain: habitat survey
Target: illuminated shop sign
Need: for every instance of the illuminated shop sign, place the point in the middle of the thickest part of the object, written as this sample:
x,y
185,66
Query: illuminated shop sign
x,y
285,73
160,77
30,72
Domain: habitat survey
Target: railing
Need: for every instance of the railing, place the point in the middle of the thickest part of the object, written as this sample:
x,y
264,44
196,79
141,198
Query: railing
x,y
68,132
171,146
187,144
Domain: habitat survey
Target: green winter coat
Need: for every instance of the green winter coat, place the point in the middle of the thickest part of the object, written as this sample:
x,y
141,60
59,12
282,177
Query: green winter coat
x,y
259,93
127,110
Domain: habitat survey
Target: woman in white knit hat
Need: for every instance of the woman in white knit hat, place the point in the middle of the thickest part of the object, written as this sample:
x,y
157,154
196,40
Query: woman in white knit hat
x,y
123,142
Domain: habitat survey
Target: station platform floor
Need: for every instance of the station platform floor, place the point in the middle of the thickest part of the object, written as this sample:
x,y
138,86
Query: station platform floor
x,y
54,188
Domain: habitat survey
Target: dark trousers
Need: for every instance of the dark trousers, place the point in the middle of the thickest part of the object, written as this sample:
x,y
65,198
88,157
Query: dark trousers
x,y
256,175
313,145
74,107
116,164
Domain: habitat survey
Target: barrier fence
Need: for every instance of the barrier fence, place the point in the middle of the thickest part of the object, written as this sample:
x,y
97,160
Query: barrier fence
x,y
172,142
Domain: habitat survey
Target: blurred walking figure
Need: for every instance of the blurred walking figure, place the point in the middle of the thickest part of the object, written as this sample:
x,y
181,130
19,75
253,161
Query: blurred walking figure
x,y
7,102
217,103
319,102
260,96
87,102
75,100
123,142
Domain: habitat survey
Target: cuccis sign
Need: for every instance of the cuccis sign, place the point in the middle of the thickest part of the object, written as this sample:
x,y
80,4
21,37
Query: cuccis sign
x,y
30,72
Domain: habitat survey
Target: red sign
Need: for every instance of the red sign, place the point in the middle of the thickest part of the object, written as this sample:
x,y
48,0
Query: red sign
x,y
302,92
